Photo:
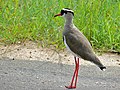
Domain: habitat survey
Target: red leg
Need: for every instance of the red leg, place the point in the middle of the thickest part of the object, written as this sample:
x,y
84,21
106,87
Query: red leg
x,y
77,72
75,75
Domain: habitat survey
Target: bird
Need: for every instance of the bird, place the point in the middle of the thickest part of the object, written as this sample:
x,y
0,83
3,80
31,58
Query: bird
x,y
77,44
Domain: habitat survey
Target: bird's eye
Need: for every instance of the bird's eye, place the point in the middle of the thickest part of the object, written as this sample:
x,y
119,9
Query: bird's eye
x,y
63,12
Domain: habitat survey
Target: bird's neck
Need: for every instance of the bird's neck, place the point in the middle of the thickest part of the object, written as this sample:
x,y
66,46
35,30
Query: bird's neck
x,y
68,22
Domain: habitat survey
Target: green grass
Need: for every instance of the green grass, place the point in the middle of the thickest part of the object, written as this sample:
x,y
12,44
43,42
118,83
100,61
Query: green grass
x,y
22,20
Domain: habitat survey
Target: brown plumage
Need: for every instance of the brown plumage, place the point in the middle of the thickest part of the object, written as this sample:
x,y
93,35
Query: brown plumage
x,y
77,44
80,46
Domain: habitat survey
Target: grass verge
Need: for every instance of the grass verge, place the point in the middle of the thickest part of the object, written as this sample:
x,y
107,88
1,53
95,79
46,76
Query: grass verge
x,y
22,20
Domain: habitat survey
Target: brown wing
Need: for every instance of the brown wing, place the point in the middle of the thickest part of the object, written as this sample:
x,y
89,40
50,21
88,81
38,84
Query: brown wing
x,y
79,44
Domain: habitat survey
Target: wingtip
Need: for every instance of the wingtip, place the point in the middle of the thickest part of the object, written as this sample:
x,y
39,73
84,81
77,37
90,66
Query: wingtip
x,y
103,68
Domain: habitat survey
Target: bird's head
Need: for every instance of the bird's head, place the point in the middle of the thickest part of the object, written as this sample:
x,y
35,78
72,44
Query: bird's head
x,y
66,12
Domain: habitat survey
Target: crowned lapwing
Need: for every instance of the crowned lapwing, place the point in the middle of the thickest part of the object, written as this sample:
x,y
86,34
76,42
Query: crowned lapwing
x,y
77,44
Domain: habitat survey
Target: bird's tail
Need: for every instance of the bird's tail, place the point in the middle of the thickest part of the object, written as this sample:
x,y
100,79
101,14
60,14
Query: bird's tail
x,y
103,68
96,61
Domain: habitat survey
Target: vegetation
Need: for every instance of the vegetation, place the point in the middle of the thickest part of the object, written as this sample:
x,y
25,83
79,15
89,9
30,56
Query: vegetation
x,y
22,20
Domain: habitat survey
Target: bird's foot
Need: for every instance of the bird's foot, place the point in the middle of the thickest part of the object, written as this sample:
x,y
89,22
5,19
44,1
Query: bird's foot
x,y
70,87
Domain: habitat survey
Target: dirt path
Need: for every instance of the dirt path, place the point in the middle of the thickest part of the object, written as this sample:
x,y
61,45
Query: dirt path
x,y
30,51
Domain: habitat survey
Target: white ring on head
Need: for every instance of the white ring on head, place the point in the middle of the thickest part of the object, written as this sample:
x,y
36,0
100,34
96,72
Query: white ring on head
x,y
67,10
